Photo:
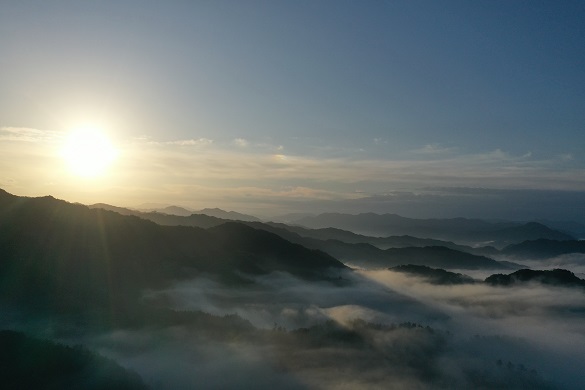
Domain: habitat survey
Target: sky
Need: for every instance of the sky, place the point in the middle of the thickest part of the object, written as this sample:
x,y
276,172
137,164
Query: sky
x,y
424,108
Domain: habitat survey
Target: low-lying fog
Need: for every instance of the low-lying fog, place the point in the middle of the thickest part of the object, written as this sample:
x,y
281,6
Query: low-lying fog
x,y
529,336
368,329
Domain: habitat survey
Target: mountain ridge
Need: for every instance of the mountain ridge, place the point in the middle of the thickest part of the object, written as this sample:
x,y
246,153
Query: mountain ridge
x,y
453,229
543,248
360,252
50,248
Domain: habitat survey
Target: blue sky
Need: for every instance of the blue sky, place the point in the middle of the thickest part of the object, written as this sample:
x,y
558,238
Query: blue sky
x,y
286,103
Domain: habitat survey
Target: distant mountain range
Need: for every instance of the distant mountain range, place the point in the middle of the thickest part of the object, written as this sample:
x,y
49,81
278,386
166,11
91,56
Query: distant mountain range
x,y
358,252
382,252
179,211
460,230
212,212
193,219
408,250
382,230
233,215
542,249
402,241
174,210
570,227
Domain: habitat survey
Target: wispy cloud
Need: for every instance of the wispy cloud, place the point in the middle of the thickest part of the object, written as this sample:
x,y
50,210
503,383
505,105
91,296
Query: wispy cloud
x,y
434,149
26,134
241,142
191,142
168,168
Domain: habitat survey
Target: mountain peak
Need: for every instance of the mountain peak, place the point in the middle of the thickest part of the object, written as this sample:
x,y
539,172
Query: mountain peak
x,y
233,215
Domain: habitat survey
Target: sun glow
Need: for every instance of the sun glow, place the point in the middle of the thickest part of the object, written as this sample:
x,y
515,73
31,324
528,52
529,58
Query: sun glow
x,y
88,152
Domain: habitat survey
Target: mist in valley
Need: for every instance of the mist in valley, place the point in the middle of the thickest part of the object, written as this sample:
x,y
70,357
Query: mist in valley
x,y
374,329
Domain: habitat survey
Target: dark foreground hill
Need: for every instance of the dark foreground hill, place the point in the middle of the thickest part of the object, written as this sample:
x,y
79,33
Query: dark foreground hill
x,y
555,277
29,363
58,255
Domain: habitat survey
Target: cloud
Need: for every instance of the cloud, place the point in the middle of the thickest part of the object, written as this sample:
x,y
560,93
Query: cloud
x,y
434,149
241,142
26,134
283,299
191,142
189,170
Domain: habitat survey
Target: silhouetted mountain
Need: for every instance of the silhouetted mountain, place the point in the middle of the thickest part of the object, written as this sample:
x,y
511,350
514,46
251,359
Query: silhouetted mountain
x,y
572,228
298,234
370,256
29,363
542,249
232,215
171,210
119,210
58,255
359,249
456,229
434,275
260,251
555,277
175,210
290,217
204,218
193,220
403,241
212,212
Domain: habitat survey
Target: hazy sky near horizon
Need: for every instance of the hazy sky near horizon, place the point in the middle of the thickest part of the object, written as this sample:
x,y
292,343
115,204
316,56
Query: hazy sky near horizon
x,y
269,106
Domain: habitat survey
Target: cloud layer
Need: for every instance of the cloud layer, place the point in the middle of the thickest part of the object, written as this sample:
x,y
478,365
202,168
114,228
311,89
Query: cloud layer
x,y
262,178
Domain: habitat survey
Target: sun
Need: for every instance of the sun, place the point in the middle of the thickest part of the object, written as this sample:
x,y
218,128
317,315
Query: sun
x,y
88,152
